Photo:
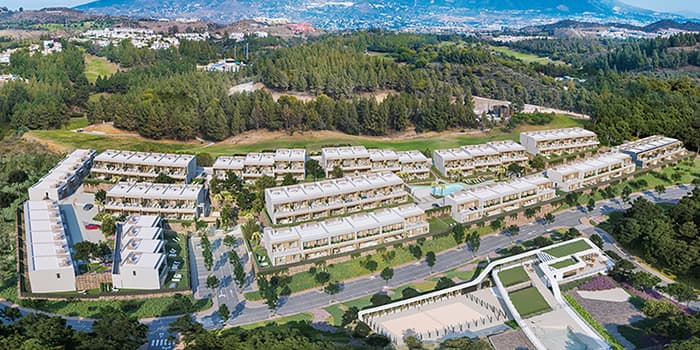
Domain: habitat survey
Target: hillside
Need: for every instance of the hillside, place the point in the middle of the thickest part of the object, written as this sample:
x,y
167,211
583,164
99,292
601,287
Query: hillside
x,y
392,14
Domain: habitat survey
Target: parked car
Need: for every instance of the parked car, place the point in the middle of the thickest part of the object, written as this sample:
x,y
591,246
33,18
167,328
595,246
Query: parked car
x,y
92,226
88,206
435,205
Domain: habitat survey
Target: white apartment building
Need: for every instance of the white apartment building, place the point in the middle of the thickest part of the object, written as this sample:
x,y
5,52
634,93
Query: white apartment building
x,y
477,159
174,201
414,165
353,160
254,165
49,264
323,239
64,178
144,166
559,141
652,150
316,200
574,176
501,197
139,260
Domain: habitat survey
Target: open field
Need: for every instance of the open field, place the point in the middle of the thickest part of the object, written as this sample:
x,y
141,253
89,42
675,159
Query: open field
x,y
98,66
513,276
259,140
302,317
525,57
529,302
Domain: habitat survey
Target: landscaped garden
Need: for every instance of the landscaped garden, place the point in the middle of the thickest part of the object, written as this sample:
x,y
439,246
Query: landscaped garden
x,y
513,276
529,302
568,249
564,263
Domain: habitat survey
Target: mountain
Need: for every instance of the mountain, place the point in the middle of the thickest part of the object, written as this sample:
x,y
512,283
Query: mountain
x,y
567,27
389,14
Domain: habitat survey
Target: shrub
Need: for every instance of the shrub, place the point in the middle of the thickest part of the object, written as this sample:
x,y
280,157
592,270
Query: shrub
x,y
591,321
598,283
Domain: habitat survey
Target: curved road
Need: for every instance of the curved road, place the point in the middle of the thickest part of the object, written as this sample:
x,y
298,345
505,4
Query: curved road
x,y
247,312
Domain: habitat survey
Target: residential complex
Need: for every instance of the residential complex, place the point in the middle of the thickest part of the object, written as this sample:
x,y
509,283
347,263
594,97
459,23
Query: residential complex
x,y
574,176
650,151
559,141
316,200
353,160
48,260
414,165
254,165
138,260
476,159
318,239
143,166
175,201
64,178
484,201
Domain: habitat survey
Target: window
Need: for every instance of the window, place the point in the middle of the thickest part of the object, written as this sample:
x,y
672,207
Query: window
x,y
133,273
58,275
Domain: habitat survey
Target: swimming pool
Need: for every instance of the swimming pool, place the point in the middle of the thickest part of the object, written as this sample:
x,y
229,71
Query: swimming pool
x,y
438,191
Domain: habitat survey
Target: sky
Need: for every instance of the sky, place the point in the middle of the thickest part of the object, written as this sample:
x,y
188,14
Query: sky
x,y
687,7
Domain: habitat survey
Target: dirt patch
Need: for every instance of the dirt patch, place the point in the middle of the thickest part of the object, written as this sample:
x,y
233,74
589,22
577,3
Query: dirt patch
x,y
51,145
378,95
108,129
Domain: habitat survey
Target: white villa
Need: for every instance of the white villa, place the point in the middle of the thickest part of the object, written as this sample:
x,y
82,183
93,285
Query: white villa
x,y
353,160
144,166
327,238
475,159
174,201
573,176
559,141
64,178
254,165
652,150
139,260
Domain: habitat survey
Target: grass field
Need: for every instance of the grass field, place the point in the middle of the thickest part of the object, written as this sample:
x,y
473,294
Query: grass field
x,y
568,249
529,302
525,57
98,66
311,142
513,276
563,263
281,321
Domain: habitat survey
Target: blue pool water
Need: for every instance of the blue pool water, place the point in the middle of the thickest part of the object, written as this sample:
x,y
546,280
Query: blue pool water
x,y
438,191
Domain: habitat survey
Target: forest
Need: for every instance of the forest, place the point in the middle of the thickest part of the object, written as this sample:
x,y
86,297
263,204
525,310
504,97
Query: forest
x,y
429,80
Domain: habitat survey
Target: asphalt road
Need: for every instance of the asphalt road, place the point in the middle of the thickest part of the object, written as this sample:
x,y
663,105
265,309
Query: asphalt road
x,y
367,285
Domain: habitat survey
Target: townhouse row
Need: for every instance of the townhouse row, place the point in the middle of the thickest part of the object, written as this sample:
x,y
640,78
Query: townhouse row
x,y
288,245
559,141
357,160
592,171
501,197
49,264
653,150
144,166
139,259
64,178
170,201
476,159
316,200
254,165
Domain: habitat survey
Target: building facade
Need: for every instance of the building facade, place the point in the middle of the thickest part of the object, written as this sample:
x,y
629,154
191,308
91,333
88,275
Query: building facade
x,y
323,239
254,165
577,175
317,200
354,160
139,260
414,165
485,201
559,141
143,166
48,259
652,150
64,178
174,201
478,159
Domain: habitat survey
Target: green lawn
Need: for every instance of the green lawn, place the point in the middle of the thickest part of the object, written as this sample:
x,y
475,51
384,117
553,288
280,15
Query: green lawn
x,y
513,276
98,66
529,302
563,263
305,316
568,249
463,276
69,139
525,57
336,311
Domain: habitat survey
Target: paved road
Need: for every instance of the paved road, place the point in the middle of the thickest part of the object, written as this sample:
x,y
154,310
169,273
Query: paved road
x,y
243,312
445,261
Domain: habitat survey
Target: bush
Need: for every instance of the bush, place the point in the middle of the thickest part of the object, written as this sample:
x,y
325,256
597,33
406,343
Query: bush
x,y
322,277
379,299
598,283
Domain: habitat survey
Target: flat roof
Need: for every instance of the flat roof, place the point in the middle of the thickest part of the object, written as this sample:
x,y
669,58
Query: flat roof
x,y
500,189
412,156
156,191
143,260
556,134
338,226
591,164
65,169
348,152
47,245
145,158
647,144
332,187
376,154
229,162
